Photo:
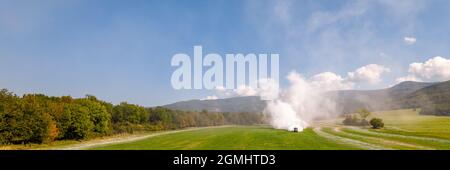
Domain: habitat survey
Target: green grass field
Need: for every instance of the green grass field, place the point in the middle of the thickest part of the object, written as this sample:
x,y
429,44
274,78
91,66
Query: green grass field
x,y
409,122
405,129
234,138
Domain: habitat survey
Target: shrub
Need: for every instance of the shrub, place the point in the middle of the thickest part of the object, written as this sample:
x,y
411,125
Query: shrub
x,y
377,123
353,120
364,122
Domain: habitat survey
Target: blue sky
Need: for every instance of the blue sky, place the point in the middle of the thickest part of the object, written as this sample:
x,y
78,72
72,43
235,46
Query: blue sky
x,y
121,50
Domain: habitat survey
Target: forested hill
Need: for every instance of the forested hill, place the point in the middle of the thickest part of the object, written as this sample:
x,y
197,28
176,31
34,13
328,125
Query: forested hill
x,y
433,97
434,100
382,99
251,104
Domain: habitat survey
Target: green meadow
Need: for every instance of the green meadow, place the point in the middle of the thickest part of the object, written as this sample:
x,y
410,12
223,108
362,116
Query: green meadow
x,y
404,130
234,138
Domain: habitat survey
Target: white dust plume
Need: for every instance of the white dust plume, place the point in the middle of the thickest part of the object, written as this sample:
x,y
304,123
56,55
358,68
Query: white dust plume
x,y
304,101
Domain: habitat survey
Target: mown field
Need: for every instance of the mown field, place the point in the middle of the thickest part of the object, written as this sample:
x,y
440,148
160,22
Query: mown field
x,y
409,122
234,138
405,129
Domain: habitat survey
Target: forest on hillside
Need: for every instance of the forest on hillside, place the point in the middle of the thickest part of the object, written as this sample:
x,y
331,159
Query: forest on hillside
x,y
37,118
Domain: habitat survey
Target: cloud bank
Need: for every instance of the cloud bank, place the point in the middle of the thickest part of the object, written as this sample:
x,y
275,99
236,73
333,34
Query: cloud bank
x,y
370,73
434,69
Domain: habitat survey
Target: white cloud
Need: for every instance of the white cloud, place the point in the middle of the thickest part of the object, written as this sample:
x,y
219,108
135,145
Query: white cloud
x,y
220,88
244,90
326,81
435,69
330,81
408,78
213,97
409,40
267,89
223,92
370,73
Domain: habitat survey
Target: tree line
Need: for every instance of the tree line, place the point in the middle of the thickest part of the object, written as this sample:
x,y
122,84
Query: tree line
x,y
37,118
360,119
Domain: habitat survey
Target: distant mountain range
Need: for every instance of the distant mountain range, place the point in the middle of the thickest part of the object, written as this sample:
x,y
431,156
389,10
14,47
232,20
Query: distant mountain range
x,y
434,100
383,99
433,97
251,104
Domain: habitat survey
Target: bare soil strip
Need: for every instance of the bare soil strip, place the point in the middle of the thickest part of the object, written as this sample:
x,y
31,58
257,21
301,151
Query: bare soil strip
x,y
359,144
400,136
385,141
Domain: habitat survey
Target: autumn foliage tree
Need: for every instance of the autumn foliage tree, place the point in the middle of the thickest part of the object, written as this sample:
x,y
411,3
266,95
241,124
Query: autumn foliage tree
x,y
37,118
